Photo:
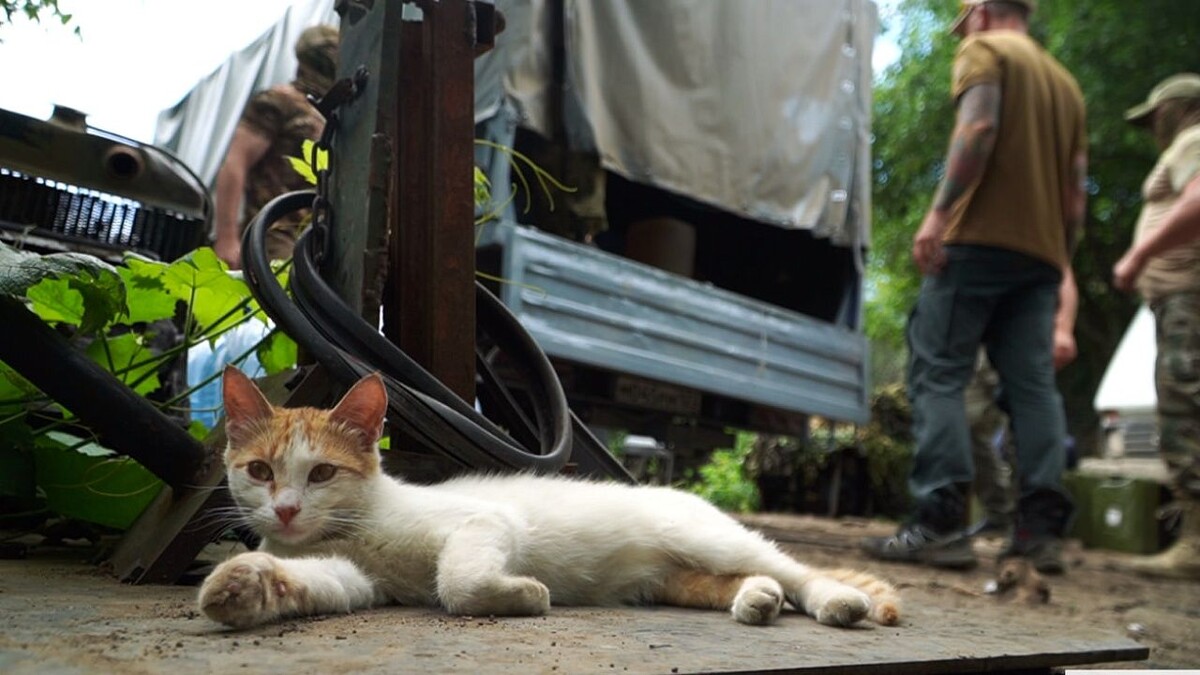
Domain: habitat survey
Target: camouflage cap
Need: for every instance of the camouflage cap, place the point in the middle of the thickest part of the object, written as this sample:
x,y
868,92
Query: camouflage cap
x,y
317,48
967,6
1183,85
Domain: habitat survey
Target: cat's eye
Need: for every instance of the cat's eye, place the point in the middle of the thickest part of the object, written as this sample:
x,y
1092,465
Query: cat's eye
x,y
321,473
260,471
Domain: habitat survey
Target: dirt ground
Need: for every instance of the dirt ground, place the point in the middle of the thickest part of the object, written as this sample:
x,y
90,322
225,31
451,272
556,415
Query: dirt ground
x,y
1161,615
59,614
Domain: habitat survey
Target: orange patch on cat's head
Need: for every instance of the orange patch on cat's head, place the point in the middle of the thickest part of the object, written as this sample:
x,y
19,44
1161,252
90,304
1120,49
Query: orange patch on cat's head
x,y
345,436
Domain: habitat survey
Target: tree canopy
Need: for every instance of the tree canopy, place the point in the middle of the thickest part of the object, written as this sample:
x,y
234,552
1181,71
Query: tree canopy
x,y
1118,51
34,10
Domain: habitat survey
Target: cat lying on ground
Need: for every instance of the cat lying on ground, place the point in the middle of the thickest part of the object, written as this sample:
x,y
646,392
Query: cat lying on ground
x,y
338,535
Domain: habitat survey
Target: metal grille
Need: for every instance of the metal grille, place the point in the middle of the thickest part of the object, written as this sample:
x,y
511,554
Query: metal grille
x,y
72,214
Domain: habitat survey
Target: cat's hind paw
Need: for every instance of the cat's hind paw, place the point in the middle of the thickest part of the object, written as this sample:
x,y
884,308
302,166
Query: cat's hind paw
x,y
844,606
758,601
245,591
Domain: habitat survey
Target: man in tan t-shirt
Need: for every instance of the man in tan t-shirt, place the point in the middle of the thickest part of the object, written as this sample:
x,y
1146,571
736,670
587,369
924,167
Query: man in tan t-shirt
x,y
994,249
1164,262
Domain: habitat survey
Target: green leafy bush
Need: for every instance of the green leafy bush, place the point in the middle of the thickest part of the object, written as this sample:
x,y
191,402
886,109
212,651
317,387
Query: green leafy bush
x,y
49,463
724,481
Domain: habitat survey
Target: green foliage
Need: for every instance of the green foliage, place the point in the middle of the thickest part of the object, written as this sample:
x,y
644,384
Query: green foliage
x,y
34,10
798,470
888,445
520,164
305,166
72,287
1117,50
108,312
483,189
129,359
83,480
723,480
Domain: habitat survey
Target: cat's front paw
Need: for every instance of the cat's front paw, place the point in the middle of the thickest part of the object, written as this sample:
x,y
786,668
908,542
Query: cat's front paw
x,y
843,606
530,597
506,596
245,591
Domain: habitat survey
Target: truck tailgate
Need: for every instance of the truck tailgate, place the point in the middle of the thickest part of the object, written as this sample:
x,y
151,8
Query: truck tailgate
x,y
585,305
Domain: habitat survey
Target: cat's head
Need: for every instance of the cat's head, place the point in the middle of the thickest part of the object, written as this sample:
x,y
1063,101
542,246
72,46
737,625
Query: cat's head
x,y
299,474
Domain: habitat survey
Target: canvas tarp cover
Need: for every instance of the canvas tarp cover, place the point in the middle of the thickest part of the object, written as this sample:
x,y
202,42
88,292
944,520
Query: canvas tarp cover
x,y
759,108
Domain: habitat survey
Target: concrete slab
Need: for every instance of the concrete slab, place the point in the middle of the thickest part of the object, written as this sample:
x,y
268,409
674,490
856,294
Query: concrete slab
x,y
59,614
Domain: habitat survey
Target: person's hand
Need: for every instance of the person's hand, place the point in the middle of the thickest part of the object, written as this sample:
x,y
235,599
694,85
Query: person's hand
x,y
928,251
229,250
1127,270
1065,349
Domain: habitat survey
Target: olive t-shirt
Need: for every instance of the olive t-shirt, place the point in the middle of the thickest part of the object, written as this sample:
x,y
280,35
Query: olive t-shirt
x,y
1018,203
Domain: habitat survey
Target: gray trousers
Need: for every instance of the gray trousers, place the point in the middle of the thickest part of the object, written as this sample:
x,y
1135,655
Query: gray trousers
x,y
1005,301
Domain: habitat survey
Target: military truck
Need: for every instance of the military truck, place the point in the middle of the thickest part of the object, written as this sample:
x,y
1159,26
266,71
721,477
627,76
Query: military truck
x,y
706,271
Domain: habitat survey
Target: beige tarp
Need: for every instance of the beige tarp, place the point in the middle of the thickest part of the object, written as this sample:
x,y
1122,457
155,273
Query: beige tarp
x,y
759,107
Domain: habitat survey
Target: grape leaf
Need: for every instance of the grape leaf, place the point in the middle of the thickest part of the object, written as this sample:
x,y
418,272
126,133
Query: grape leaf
x,y
277,353
98,285
120,354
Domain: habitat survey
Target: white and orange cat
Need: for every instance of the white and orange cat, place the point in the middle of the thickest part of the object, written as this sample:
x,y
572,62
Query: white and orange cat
x,y
338,534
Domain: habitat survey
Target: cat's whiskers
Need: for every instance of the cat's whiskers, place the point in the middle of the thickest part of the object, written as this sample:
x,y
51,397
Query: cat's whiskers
x,y
224,517
346,524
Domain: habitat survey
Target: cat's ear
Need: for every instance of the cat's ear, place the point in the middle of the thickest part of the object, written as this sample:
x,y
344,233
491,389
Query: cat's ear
x,y
245,405
364,407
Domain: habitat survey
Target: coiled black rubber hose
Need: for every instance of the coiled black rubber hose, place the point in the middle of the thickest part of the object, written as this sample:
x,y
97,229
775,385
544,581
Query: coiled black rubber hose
x,y
430,412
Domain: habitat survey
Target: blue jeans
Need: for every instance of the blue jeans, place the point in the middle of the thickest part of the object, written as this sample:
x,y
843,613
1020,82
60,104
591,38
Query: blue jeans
x,y
1005,301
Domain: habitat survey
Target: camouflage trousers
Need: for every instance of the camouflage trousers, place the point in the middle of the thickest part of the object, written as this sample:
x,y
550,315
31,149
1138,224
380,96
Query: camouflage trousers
x,y
993,483
1177,380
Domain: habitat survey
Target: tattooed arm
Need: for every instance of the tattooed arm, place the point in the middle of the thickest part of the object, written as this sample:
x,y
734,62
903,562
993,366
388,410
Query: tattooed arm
x,y
971,146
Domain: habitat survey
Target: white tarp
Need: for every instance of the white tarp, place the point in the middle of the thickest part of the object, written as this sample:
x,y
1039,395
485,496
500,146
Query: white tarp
x,y
1128,382
198,128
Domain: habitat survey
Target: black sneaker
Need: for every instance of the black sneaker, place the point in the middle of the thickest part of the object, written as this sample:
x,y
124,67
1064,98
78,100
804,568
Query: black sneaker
x,y
1046,553
918,544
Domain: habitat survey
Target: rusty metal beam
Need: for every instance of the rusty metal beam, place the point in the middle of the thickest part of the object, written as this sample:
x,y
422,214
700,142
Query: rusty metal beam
x,y
429,306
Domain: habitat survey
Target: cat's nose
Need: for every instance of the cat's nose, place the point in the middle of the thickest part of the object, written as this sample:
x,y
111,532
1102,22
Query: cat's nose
x,y
286,513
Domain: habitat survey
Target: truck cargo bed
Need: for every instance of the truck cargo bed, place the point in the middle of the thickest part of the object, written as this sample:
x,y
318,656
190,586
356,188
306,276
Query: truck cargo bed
x,y
588,306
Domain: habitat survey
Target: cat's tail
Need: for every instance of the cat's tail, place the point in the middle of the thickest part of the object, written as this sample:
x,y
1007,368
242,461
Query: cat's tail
x,y
885,600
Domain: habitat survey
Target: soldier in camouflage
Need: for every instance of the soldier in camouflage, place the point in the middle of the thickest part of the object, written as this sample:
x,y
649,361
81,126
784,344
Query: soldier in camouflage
x,y
1164,264
273,126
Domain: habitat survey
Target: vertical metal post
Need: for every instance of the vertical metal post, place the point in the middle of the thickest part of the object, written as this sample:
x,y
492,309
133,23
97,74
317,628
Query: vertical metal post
x,y
360,160
429,301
